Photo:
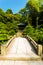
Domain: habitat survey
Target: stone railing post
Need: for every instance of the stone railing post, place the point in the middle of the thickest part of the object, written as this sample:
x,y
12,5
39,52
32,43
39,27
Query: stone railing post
x,y
42,49
39,50
3,50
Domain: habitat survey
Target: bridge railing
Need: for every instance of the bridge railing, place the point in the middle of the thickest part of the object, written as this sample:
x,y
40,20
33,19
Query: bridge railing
x,y
4,47
33,42
37,47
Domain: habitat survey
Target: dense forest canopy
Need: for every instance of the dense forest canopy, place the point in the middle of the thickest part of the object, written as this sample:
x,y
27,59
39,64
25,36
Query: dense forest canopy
x,y
31,15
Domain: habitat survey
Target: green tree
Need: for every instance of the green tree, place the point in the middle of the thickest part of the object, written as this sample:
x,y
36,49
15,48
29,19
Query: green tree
x,y
34,9
9,11
24,16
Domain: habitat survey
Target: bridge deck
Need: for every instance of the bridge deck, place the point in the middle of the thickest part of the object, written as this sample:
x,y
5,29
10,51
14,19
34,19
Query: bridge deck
x,y
20,49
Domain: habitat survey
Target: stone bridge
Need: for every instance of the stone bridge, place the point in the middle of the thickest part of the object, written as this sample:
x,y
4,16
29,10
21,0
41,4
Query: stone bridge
x,y
21,48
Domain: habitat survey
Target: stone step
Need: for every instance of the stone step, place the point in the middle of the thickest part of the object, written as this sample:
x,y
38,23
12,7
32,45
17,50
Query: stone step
x,y
7,62
21,58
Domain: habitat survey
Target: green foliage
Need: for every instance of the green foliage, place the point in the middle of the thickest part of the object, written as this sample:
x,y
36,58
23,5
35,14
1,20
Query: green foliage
x,y
3,37
28,30
9,11
36,34
8,25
